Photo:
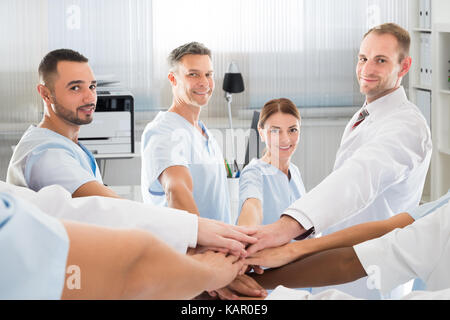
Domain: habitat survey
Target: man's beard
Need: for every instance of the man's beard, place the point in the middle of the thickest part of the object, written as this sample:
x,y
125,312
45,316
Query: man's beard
x,y
69,115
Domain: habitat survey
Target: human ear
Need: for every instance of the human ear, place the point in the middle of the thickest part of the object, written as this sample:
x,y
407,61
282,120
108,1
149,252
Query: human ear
x,y
405,65
172,79
44,92
261,134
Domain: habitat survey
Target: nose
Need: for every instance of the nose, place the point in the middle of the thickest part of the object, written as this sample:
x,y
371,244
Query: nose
x,y
90,96
284,138
204,81
368,67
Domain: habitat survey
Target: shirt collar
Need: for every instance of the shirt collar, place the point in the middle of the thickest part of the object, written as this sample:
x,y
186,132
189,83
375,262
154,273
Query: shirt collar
x,y
187,124
385,104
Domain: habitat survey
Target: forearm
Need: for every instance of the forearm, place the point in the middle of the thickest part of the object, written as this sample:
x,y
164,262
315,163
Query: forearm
x,y
251,213
102,256
129,264
326,268
351,236
178,187
94,188
160,273
181,198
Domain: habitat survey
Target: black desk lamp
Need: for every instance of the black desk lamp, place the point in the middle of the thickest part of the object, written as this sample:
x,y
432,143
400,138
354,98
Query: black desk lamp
x,y
232,83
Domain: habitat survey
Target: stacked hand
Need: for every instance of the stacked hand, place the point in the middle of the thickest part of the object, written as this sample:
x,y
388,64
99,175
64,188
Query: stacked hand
x,y
218,236
274,238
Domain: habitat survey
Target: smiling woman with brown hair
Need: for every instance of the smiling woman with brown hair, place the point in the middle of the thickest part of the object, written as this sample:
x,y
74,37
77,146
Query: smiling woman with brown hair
x,y
267,186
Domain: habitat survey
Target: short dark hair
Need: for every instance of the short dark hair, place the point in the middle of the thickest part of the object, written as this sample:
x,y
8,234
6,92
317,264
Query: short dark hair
x,y
49,63
402,36
188,48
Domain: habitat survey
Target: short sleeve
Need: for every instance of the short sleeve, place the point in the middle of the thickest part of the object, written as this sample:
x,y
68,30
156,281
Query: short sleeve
x,y
161,151
55,166
250,185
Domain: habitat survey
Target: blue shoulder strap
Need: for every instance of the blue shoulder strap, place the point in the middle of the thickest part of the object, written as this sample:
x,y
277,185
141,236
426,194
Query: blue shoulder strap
x,y
91,158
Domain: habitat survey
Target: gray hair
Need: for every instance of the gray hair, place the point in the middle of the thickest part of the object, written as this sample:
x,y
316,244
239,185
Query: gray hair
x,y
188,48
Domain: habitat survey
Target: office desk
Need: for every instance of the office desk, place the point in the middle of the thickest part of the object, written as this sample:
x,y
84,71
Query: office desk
x,y
106,156
102,160
128,192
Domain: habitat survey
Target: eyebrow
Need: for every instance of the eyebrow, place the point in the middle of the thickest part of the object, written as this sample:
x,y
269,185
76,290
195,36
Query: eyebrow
x,y
275,127
196,70
71,83
382,56
377,56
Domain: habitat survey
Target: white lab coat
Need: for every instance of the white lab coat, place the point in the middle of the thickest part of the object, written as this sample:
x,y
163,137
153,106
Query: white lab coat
x,y
419,250
175,227
283,293
380,170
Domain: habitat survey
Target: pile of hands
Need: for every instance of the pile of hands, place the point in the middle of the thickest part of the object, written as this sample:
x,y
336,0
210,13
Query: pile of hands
x,y
233,253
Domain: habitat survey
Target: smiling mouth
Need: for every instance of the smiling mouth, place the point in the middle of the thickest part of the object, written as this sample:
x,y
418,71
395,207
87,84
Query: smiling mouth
x,y
87,109
368,79
202,93
284,148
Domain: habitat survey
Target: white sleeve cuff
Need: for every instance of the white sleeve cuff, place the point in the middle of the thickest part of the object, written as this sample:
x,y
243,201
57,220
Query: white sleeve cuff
x,y
300,217
192,242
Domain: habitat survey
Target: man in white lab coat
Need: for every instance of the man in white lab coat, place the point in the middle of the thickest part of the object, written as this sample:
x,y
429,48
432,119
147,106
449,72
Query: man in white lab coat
x,y
419,250
383,159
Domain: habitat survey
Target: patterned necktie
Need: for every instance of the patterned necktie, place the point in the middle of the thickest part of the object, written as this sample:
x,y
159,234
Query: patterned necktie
x,y
362,115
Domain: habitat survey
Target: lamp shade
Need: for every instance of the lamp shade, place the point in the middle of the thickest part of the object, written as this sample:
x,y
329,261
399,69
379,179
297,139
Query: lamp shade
x,y
233,82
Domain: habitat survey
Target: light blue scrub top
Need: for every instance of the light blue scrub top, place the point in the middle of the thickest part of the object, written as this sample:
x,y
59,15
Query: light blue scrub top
x,y
34,249
170,140
271,186
44,157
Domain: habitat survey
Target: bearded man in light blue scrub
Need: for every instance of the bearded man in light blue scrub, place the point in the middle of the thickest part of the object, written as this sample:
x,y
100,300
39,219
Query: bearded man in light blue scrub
x,y
50,152
182,164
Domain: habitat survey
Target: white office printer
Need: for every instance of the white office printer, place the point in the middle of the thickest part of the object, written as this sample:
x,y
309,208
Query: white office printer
x,y
112,129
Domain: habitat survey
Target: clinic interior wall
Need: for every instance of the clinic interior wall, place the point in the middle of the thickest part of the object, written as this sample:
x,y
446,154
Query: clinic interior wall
x,y
114,35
